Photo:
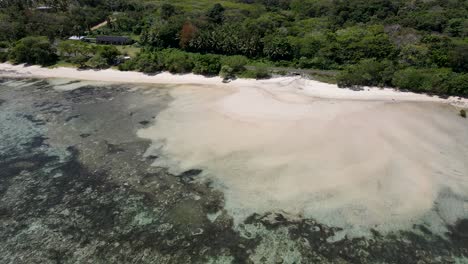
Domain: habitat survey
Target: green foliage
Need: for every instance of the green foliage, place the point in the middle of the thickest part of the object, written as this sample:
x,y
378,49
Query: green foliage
x,y
368,72
206,64
352,44
164,34
439,47
84,54
258,71
458,57
228,39
3,56
414,55
109,53
147,62
227,72
424,80
458,84
307,46
361,11
417,37
216,14
24,20
76,52
167,10
277,47
235,63
456,27
4,44
310,8
34,50
97,62
176,61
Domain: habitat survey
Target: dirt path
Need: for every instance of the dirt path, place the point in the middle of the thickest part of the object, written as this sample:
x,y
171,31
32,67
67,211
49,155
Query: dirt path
x,y
100,25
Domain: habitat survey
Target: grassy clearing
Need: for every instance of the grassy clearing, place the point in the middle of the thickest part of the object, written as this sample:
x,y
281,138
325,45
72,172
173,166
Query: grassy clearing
x,y
131,51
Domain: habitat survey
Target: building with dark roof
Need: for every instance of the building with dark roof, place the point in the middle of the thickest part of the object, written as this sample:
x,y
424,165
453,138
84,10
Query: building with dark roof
x,y
113,40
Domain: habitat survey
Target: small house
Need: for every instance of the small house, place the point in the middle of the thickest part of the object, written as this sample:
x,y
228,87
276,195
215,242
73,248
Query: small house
x,y
113,40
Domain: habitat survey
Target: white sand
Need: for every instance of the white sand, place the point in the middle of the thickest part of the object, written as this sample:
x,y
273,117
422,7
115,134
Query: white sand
x,y
109,75
355,164
297,85
374,158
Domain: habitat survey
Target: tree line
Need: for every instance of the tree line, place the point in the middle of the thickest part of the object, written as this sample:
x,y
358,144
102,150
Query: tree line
x,y
416,45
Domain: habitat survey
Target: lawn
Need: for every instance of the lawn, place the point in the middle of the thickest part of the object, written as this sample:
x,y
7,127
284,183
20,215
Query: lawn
x,y
129,50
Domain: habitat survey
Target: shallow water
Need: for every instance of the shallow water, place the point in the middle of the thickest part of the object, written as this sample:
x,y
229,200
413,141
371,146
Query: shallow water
x,y
352,164
77,187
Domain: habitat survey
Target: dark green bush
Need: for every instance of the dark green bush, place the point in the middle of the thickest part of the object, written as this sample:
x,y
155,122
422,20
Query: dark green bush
x,y
176,61
236,63
208,64
277,47
423,80
369,72
109,53
149,62
260,71
4,44
97,62
3,56
33,50
458,84
227,72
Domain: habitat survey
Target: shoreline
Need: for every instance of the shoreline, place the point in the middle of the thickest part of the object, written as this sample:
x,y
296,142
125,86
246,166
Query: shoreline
x,y
289,85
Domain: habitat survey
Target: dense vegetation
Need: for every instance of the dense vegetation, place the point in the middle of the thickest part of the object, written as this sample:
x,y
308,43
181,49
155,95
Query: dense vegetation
x,y
417,45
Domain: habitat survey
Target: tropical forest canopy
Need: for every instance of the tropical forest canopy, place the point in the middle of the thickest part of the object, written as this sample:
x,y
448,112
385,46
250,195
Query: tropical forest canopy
x,y
421,45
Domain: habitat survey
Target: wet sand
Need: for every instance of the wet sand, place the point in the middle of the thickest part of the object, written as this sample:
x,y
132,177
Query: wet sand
x,y
355,164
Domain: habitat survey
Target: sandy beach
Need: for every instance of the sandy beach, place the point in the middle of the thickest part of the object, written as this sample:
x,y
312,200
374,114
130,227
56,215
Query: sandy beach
x,y
291,85
373,158
356,164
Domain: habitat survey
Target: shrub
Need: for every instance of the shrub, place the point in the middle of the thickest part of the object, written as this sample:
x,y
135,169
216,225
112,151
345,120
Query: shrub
x,y
277,47
458,84
109,53
3,56
319,62
97,62
80,60
4,44
369,72
260,71
423,80
227,72
207,64
176,61
236,63
149,62
69,49
33,50
463,113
